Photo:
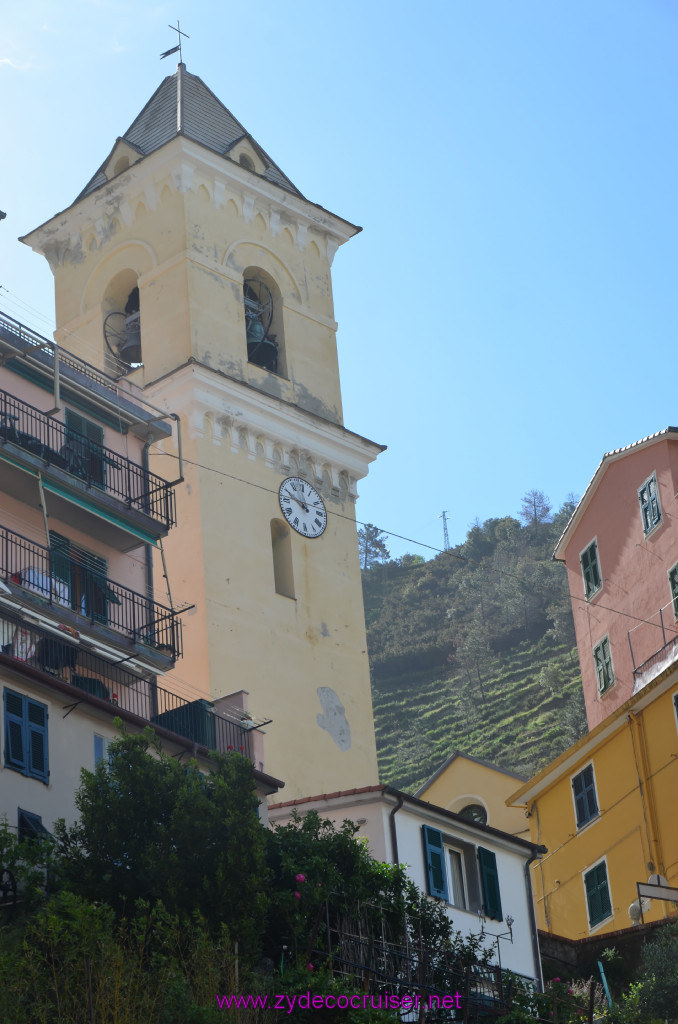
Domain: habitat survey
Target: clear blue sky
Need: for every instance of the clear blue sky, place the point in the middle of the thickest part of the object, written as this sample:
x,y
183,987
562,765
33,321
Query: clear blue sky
x,y
504,315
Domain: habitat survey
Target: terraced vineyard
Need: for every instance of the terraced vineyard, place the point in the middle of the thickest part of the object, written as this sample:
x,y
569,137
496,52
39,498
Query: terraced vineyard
x,y
532,711
473,654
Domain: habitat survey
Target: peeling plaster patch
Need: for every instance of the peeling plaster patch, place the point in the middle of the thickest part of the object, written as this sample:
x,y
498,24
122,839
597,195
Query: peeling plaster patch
x,y
333,718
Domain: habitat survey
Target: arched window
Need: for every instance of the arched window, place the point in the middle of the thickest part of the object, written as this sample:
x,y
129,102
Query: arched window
x,y
122,323
281,543
263,321
474,812
246,161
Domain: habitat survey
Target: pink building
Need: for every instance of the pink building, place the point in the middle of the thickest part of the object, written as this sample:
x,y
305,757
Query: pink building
x,y
620,549
86,637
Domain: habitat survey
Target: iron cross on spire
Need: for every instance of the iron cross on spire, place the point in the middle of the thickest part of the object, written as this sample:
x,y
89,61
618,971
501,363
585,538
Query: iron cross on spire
x,y
175,48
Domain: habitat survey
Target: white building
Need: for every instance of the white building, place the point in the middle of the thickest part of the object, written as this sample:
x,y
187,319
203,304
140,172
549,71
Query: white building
x,y
478,873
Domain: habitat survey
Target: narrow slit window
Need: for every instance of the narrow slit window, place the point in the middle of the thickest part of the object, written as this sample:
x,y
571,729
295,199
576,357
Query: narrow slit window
x,y
281,543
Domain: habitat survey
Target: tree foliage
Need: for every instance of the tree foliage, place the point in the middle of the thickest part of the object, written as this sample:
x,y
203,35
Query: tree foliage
x,y
372,546
147,820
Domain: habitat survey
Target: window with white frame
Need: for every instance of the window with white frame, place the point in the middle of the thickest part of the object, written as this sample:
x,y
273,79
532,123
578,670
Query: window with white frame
x,y
602,659
597,888
650,510
462,874
457,885
585,797
590,569
100,748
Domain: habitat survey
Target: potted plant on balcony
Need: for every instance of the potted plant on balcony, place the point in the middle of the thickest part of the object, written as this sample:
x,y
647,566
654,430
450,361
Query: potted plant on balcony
x,y
246,720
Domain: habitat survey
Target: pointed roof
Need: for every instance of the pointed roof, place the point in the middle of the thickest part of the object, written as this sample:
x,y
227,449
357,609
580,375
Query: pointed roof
x,y
183,105
592,486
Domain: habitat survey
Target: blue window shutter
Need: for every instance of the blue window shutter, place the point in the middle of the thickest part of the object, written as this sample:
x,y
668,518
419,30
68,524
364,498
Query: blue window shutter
x,y
15,741
435,862
37,740
489,878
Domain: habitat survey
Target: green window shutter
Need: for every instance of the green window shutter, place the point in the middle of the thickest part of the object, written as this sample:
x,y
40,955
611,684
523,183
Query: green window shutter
x,y
61,563
86,439
597,894
434,861
585,801
673,583
15,747
489,878
37,740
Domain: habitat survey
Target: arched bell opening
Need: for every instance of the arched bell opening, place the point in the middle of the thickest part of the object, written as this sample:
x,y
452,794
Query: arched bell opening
x,y
264,321
122,323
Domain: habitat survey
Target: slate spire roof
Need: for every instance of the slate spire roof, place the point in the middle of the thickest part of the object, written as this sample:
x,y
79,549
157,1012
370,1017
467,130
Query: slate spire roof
x,y
183,105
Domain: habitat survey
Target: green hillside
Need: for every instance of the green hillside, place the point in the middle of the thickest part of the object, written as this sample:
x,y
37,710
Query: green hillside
x,y
474,650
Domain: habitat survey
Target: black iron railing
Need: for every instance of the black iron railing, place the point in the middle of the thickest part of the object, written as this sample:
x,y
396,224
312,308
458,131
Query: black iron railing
x,y
62,655
68,582
666,654
26,340
66,449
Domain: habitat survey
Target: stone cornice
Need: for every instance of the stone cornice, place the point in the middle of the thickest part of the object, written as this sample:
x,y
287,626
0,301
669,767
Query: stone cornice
x,y
260,426
184,165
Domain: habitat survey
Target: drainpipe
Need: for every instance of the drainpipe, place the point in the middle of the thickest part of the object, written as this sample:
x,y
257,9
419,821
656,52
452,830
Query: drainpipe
x,y
392,827
646,790
534,937
148,548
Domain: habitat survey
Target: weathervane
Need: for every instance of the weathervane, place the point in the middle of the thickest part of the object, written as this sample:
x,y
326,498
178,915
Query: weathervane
x,y
175,48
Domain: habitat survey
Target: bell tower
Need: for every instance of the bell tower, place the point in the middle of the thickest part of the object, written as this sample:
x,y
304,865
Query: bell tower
x,y
192,266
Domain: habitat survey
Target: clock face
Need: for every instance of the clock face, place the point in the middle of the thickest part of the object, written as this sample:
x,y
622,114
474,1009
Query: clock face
x,y
302,507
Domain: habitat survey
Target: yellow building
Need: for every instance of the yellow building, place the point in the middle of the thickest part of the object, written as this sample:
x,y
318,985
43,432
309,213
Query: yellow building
x,y
606,810
476,790
191,265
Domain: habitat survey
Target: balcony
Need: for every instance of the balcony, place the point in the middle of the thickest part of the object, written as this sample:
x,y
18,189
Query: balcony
x,y
62,653
69,585
653,645
75,467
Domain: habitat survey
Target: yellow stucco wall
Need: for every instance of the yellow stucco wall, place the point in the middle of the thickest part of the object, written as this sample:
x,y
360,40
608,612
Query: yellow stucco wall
x,y
466,781
636,831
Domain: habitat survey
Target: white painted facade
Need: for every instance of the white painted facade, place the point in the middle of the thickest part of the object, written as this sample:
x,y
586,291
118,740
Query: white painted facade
x,y
74,722
393,823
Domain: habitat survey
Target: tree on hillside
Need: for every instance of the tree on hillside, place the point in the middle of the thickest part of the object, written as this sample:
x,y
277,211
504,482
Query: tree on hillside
x,y
372,546
535,509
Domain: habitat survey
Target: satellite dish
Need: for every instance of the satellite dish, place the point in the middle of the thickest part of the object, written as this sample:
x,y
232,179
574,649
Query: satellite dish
x,y
638,906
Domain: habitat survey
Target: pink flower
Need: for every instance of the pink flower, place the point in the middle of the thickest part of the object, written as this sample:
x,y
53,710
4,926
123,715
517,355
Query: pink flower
x,y
230,746
310,967
297,895
320,885
300,878
556,979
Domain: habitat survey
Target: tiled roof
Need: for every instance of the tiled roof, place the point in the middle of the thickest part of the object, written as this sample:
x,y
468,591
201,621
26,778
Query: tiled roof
x,y
183,105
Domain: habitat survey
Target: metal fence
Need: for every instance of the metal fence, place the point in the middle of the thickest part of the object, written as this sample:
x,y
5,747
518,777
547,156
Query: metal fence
x,y
72,583
66,449
28,339
61,654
